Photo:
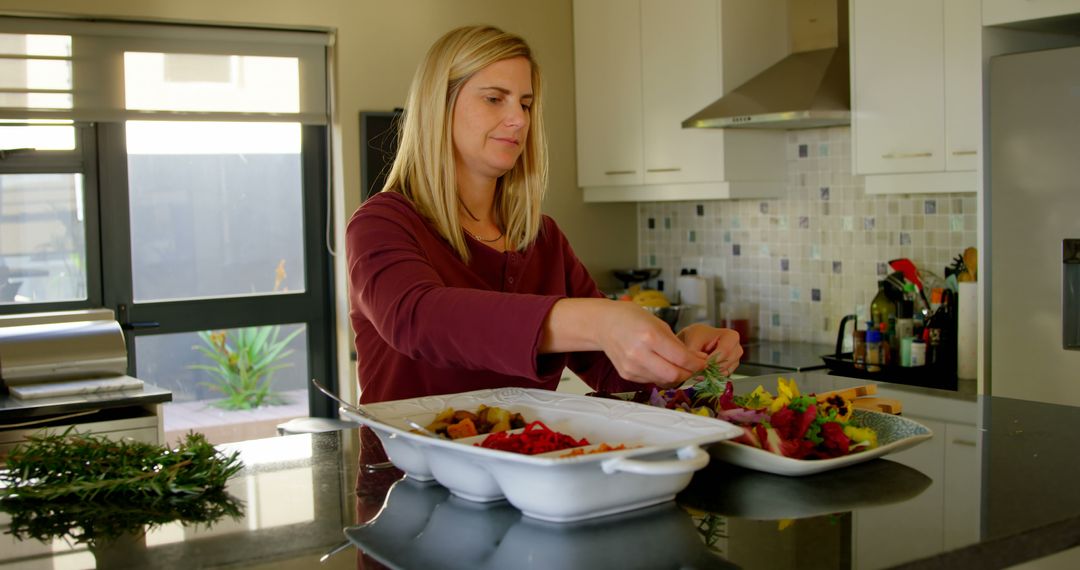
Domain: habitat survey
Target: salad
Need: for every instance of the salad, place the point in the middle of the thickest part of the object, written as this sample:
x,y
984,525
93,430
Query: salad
x,y
786,423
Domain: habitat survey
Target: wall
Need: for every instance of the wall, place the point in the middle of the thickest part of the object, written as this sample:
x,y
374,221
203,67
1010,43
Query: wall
x,y
378,45
806,260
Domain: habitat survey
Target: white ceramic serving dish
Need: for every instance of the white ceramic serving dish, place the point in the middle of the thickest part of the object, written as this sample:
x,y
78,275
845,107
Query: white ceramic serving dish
x,y
895,433
664,452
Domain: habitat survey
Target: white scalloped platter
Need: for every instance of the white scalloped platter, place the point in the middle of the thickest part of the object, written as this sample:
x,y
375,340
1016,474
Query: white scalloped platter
x,y
895,433
664,451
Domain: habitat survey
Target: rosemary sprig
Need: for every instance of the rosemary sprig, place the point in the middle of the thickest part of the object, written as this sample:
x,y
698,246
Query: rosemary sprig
x,y
711,382
91,489
86,467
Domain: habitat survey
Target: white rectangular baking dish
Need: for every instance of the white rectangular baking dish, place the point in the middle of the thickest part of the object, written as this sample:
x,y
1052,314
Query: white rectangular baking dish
x,y
665,451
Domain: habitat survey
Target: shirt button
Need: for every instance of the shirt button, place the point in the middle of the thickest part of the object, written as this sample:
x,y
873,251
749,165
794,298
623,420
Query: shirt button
x,y
510,279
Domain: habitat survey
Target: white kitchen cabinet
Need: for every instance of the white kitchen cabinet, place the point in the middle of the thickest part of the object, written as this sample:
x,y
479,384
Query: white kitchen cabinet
x,y
608,87
916,104
641,68
963,85
997,12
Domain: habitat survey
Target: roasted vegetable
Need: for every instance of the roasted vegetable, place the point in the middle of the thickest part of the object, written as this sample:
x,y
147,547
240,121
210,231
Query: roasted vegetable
x,y
456,424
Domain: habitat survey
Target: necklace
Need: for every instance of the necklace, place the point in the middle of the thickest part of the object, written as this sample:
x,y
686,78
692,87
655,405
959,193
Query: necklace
x,y
478,238
467,210
475,219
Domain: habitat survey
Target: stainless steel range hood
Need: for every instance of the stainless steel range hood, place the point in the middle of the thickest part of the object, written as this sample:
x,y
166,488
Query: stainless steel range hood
x,y
808,89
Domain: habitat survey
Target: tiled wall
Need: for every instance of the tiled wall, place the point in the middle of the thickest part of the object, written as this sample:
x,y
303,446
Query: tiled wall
x,y
805,261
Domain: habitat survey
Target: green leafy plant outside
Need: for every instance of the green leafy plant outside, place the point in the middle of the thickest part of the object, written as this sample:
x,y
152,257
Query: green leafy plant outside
x,y
244,362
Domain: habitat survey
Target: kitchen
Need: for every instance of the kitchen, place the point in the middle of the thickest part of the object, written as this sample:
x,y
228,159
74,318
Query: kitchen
x,y
820,201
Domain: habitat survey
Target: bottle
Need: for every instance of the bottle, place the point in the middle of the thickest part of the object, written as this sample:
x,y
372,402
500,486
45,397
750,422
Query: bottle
x,y
919,306
858,354
905,351
882,307
932,338
736,316
939,331
883,316
905,313
918,353
873,351
886,347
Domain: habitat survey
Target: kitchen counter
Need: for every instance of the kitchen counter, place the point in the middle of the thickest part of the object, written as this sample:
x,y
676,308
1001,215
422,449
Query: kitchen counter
x,y
994,486
769,356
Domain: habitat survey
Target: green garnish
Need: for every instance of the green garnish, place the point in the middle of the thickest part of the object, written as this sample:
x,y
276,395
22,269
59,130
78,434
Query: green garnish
x,y
711,383
801,403
90,489
86,467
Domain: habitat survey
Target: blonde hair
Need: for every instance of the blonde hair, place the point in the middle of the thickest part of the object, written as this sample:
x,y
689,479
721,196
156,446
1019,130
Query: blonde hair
x,y
423,169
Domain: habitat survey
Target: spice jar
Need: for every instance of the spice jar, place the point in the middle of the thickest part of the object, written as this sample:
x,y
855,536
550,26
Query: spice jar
x,y
858,354
918,353
873,351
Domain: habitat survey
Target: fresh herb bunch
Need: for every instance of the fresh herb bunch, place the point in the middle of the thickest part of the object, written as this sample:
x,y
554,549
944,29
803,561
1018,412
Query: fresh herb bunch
x,y
710,382
89,488
88,467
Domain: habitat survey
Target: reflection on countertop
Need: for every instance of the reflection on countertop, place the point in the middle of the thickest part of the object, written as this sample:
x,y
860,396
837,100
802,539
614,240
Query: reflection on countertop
x,y
997,472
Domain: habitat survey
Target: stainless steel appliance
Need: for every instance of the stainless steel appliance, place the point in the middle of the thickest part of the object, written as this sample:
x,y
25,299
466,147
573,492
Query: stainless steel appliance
x,y
1033,291
64,358
810,88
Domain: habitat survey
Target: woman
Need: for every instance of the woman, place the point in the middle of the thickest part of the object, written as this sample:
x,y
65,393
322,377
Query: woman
x,y
457,280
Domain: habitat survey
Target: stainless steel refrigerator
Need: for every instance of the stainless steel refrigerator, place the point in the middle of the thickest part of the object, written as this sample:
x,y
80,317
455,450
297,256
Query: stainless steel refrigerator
x,y
1034,226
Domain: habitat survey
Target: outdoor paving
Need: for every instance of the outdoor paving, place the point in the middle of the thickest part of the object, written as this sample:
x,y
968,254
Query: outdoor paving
x,y
224,426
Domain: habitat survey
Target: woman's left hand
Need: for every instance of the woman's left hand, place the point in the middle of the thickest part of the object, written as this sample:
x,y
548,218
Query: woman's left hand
x,y
722,345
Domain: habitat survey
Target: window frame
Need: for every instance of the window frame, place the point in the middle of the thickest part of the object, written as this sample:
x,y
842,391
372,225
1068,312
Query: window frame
x,y
82,160
101,157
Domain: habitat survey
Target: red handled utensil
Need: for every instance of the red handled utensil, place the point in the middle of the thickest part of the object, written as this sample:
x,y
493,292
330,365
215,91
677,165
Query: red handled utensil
x,y
911,273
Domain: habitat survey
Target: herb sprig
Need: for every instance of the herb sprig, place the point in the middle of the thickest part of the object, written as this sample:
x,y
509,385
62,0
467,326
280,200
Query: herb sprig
x,y
91,489
712,382
85,467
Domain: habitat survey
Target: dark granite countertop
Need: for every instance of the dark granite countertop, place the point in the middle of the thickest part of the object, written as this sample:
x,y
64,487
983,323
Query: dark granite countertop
x,y
995,486
766,356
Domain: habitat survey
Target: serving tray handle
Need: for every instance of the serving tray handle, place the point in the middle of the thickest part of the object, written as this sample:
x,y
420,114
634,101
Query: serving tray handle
x,y
691,458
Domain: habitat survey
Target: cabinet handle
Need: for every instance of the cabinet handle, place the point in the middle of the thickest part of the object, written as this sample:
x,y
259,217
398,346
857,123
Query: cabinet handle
x,y
908,155
965,442
964,152
664,170
614,172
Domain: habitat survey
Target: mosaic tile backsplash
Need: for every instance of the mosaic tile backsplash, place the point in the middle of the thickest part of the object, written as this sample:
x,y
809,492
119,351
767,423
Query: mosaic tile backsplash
x,y
803,262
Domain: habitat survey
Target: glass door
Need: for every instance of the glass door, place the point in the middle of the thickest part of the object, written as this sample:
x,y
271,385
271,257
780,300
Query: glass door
x,y
215,267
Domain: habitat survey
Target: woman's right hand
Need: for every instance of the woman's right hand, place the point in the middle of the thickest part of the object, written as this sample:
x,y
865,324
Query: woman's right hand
x,y
643,348
640,346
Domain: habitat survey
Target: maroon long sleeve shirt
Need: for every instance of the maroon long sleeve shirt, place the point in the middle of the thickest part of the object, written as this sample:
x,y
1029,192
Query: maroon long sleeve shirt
x,y
427,323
